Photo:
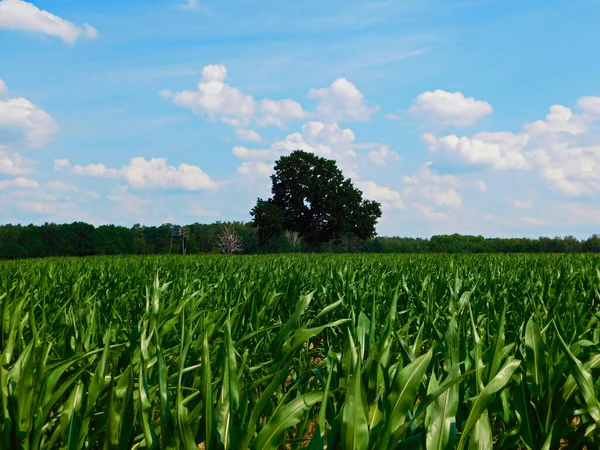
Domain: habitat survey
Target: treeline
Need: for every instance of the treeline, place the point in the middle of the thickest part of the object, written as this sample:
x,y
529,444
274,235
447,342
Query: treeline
x,y
81,239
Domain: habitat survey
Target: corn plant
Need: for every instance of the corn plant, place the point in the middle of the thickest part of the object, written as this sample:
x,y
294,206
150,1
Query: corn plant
x,y
300,351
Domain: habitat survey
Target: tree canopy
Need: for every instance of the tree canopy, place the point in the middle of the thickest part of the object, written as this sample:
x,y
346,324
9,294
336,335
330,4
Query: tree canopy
x,y
312,197
80,239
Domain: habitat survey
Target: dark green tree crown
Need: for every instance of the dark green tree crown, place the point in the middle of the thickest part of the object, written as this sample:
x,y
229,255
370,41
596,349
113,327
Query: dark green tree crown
x,y
311,196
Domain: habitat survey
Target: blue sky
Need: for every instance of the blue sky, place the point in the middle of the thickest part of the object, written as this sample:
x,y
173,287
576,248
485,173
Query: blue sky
x,y
476,117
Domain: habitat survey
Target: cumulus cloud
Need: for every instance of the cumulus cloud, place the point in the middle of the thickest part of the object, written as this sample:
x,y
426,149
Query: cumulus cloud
x,y
389,198
449,108
3,87
438,189
24,16
393,117
500,150
383,156
255,169
14,164
216,100
44,207
241,152
34,123
156,173
90,170
342,102
589,105
128,204
557,178
59,186
19,183
146,174
563,148
248,135
429,213
577,213
560,120
323,139
278,112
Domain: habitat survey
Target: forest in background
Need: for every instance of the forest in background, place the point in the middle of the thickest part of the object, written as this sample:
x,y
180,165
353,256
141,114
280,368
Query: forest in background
x,y
82,239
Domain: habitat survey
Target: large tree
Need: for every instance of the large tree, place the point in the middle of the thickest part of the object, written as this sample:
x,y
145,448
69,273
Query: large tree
x,y
312,197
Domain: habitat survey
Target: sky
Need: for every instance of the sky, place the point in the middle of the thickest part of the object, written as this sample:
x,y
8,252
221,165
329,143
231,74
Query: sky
x,y
458,116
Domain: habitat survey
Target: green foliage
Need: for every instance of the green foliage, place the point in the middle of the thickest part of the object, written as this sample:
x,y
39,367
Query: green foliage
x,y
324,351
311,197
80,239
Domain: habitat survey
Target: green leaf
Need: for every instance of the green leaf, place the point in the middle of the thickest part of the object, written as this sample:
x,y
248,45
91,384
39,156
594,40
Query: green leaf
x,y
271,435
355,430
441,415
402,397
584,380
536,359
483,400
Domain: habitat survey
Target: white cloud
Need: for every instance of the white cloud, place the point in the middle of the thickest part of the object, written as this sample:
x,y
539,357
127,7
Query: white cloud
x,y
383,156
14,164
248,135
521,204
327,140
241,152
589,105
449,108
341,102
201,212
21,15
563,148
156,173
481,185
92,194
557,178
429,214
62,164
19,183
278,112
90,170
129,205
256,169
577,213
500,151
439,189
560,120
44,208
61,187
3,87
533,221
388,198
146,174
215,100
323,139
393,117
33,122
426,176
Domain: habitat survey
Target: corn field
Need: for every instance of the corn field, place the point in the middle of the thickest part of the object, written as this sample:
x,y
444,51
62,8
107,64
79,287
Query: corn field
x,y
301,351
